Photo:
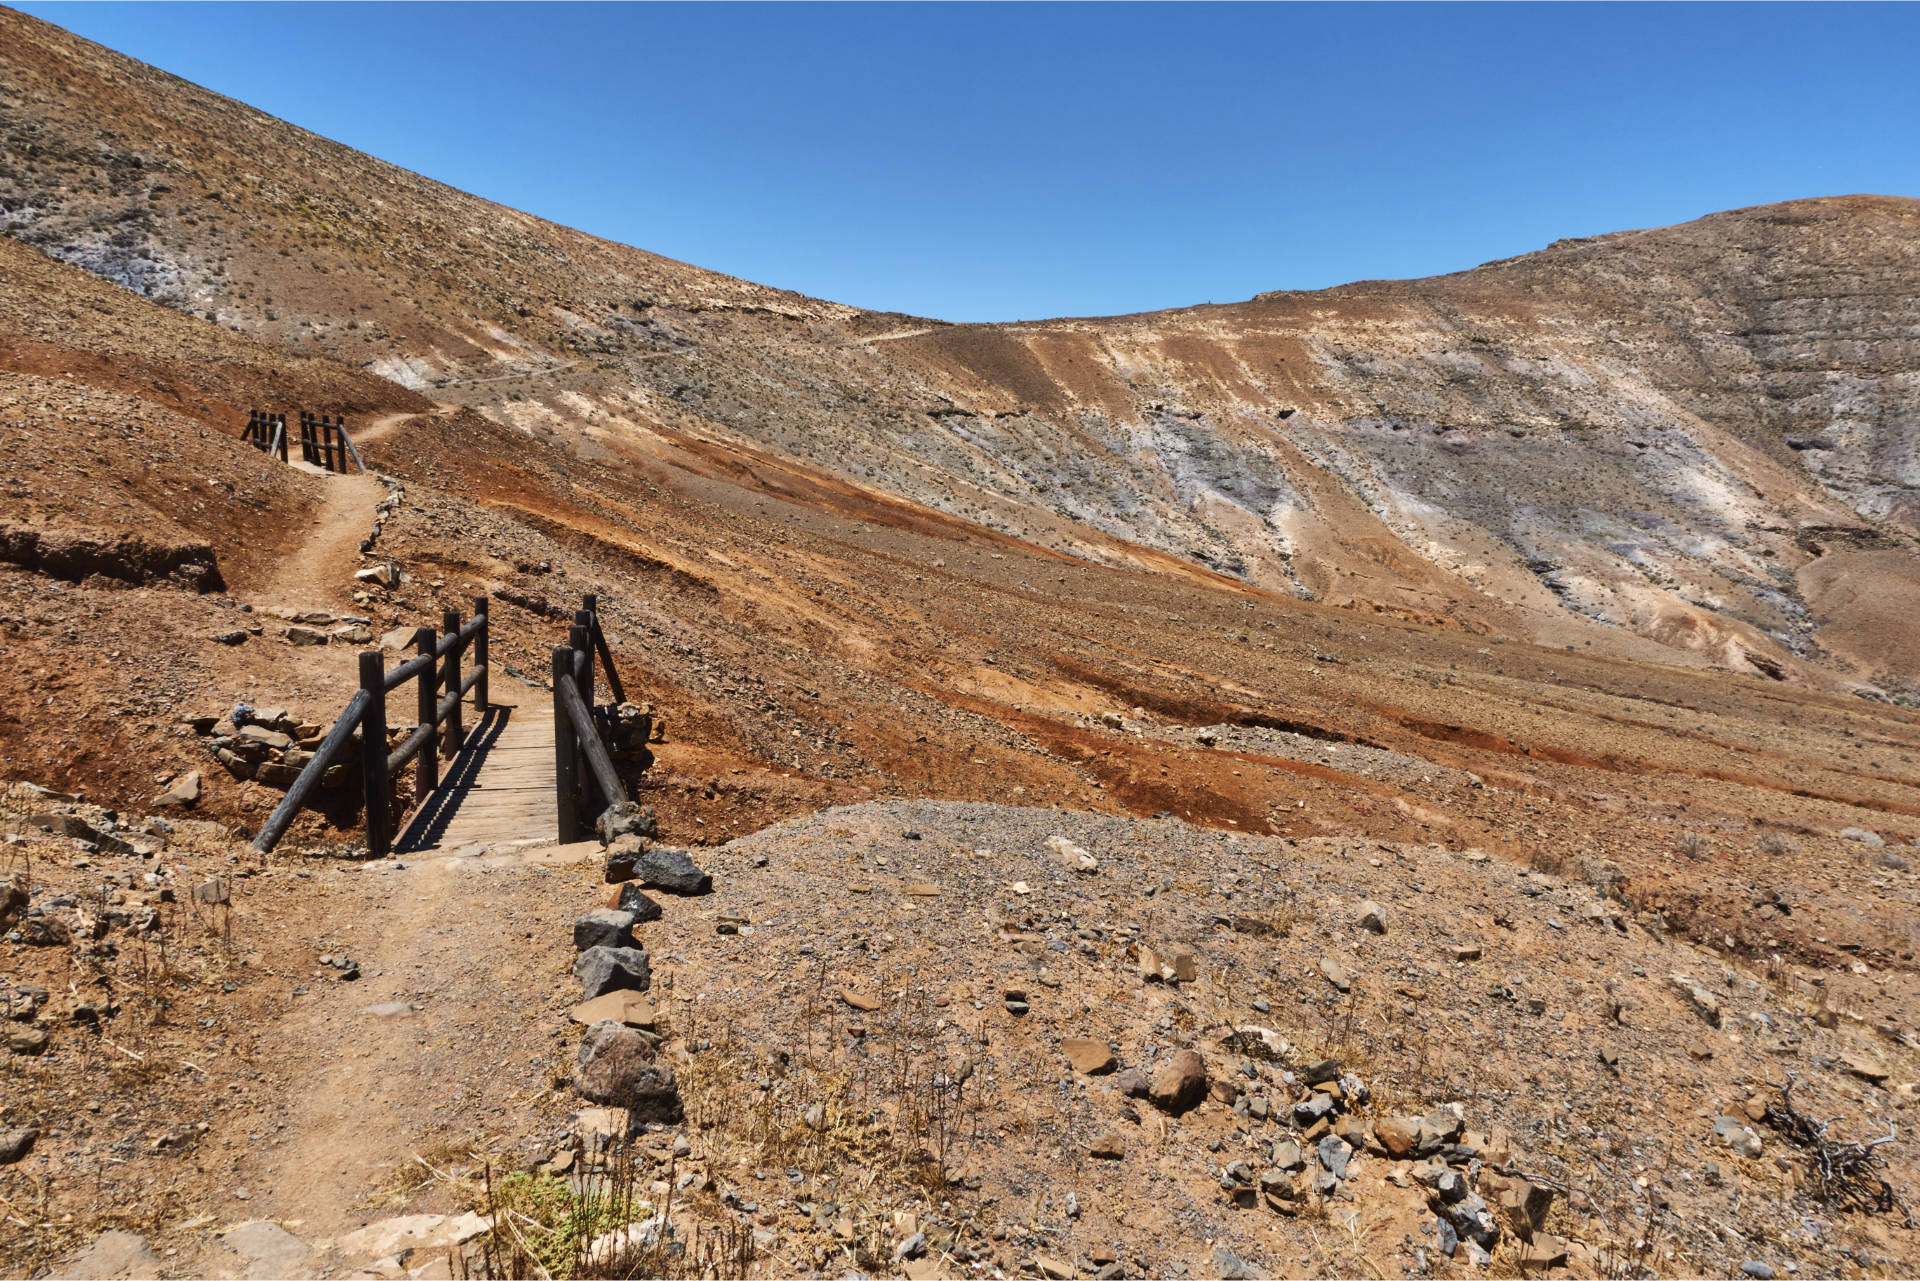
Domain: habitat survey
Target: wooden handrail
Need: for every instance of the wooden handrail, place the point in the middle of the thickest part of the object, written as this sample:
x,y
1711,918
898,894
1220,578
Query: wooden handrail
x,y
276,824
323,441
583,768
436,667
597,758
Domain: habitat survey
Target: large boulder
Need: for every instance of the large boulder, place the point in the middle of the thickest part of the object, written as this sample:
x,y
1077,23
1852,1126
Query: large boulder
x,y
671,870
616,1066
612,969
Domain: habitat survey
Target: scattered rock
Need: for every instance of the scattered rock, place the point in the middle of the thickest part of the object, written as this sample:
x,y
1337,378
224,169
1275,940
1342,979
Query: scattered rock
x,y
1051,1268
1186,966
1398,1136
1229,1266
15,1144
113,1256
616,1066
1738,1135
298,635
1862,835
390,1238
1107,1147
1373,917
212,891
1073,857
1705,1003
184,794
270,1250
1335,974
1180,1083
1543,1252
860,1000
1087,1055
1315,1107
30,1041
1132,1084
1442,1126
608,969
1865,1068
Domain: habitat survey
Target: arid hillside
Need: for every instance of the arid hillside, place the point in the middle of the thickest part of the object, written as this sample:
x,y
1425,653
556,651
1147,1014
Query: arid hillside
x,y
1699,438
1185,794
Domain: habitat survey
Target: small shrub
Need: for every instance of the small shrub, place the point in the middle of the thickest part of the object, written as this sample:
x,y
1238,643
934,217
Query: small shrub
x,y
1777,844
1692,845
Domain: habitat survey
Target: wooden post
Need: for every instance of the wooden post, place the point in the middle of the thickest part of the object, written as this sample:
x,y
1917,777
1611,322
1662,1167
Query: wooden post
x,y
479,655
373,750
616,692
565,769
280,437
428,776
450,625
582,638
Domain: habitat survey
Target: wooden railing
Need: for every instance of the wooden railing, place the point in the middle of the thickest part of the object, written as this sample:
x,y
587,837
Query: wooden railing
x,y
435,668
324,442
583,769
268,433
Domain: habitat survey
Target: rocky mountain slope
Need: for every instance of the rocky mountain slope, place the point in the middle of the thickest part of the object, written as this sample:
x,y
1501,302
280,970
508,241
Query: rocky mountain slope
x,y
1400,659
1695,443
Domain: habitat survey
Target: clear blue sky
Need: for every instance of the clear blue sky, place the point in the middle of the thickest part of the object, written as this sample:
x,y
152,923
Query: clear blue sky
x,y
997,162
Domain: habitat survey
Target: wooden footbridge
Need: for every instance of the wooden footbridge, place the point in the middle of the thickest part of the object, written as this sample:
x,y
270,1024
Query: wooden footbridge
x,y
523,770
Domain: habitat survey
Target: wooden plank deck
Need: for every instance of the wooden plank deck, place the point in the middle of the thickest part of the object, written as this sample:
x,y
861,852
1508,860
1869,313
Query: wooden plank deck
x,y
500,787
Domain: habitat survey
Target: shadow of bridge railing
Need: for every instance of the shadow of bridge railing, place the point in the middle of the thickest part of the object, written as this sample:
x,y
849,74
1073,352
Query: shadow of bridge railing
x,y
462,776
